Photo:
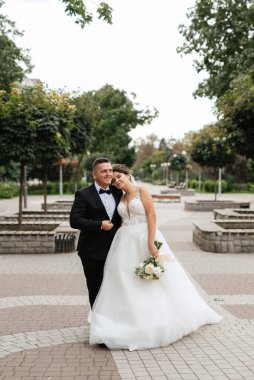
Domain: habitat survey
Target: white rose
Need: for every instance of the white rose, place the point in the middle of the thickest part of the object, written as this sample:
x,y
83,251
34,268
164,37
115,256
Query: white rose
x,y
149,268
157,271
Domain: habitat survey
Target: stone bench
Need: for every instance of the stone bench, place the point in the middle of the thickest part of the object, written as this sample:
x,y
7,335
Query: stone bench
x,y
49,212
35,237
31,242
166,198
223,236
206,205
183,192
58,206
234,214
36,217
29,226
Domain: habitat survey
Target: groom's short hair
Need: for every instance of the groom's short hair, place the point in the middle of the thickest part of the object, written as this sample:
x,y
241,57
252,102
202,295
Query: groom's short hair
x,y
100,160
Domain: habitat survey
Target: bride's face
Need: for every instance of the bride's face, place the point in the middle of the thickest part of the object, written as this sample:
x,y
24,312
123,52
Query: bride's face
x,y
120,180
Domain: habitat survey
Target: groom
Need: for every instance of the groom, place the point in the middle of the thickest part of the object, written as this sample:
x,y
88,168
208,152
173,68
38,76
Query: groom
x,y
94,213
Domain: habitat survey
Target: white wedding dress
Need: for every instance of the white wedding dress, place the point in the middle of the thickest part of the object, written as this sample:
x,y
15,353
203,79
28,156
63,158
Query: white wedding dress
x,y
133,313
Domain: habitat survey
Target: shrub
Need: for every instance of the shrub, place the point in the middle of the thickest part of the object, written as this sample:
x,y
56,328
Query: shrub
x,y
8,190
251,187
243,187
208,185
193,184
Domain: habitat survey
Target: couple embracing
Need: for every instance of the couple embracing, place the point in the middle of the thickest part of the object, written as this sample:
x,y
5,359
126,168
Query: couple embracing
x,y
117,224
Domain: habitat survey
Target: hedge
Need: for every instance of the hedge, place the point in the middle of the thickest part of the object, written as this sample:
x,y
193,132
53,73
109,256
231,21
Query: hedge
x,y
8,190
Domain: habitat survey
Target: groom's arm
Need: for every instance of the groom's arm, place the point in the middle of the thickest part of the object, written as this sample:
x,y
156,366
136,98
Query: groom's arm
x,y
78,217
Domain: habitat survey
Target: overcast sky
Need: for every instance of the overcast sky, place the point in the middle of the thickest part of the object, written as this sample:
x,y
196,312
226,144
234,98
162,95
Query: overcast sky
x,y
137,54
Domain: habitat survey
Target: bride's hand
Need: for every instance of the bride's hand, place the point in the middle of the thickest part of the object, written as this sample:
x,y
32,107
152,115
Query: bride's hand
x,y
153,251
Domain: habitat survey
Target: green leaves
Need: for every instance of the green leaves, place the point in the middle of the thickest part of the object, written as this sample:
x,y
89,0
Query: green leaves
x,y
114,116
105,12
35,125
236,112
208,149
14,61
77,9
221,32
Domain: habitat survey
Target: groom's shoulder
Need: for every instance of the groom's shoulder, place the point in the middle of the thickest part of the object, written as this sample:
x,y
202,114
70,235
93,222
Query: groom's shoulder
x,y
85,190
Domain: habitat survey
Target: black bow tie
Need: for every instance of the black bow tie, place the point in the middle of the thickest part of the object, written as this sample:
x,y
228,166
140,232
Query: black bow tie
x,y
105,191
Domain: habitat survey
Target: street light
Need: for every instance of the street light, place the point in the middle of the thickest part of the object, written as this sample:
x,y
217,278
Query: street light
x,y
152,167
184,153
62,162
165,166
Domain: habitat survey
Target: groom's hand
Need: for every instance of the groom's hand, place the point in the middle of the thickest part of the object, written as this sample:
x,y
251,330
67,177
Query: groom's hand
x,y
106,225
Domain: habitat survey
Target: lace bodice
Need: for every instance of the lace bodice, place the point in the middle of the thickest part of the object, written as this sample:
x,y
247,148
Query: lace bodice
x,y
133,213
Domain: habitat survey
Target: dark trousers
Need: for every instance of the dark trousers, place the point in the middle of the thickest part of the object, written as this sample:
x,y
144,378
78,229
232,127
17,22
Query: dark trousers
x,y
93,270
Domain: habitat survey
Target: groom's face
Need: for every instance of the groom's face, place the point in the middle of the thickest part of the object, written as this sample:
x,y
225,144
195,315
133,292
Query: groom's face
x,y
102,174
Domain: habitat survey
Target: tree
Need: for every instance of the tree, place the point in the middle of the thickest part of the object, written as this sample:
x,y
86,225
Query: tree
x,y
221,33
236,114
18,133
208,149
78,9
144,149
35,128
14,61
178,162
115,115
53,121
80,134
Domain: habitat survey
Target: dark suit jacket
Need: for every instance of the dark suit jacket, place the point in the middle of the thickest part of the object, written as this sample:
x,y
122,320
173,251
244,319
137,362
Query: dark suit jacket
x,y
86,215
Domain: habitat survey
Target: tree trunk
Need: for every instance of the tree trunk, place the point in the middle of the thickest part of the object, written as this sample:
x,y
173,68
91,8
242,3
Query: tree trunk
x,y
45,182
21,191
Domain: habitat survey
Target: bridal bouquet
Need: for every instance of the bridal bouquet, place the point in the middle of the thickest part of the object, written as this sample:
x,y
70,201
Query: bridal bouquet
x,y
150,269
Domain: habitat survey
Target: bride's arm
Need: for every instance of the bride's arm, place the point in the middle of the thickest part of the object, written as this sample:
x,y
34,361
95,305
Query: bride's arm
x,y
147,201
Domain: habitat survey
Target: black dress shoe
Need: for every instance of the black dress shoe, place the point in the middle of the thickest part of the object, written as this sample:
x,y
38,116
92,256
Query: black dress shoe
x,y
102,345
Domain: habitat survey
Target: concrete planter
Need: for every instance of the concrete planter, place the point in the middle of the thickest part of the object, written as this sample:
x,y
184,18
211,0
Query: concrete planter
x,y
183,192
58,205
35,237
225,236
240,214
32,216
206,205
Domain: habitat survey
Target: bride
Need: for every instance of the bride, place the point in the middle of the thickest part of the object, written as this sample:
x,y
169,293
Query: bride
x,y
134,313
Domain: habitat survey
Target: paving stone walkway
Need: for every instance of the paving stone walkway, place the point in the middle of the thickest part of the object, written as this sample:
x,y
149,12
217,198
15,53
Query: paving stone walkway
x,y
44,305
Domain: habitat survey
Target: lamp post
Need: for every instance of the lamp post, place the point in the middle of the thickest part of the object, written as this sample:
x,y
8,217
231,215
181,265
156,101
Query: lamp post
x,y
219,182
152,167
165,166
25,186
184,153
218,139
61,163
199,179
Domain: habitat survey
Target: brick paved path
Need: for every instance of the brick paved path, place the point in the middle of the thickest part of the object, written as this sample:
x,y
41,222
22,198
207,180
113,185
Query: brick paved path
x,y
44,306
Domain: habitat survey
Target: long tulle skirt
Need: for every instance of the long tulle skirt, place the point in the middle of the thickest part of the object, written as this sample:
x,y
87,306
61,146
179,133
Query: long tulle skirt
x,y
133,313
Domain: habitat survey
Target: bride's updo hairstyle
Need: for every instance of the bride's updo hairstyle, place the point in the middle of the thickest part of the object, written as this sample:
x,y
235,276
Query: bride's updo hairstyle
x,y
121,168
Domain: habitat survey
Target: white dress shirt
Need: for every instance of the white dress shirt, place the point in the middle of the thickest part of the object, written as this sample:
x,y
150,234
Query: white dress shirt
x,y
107,200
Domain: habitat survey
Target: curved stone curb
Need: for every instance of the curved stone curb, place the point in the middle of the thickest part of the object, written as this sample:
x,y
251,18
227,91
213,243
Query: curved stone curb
x,y
233,299
45,338
43,300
